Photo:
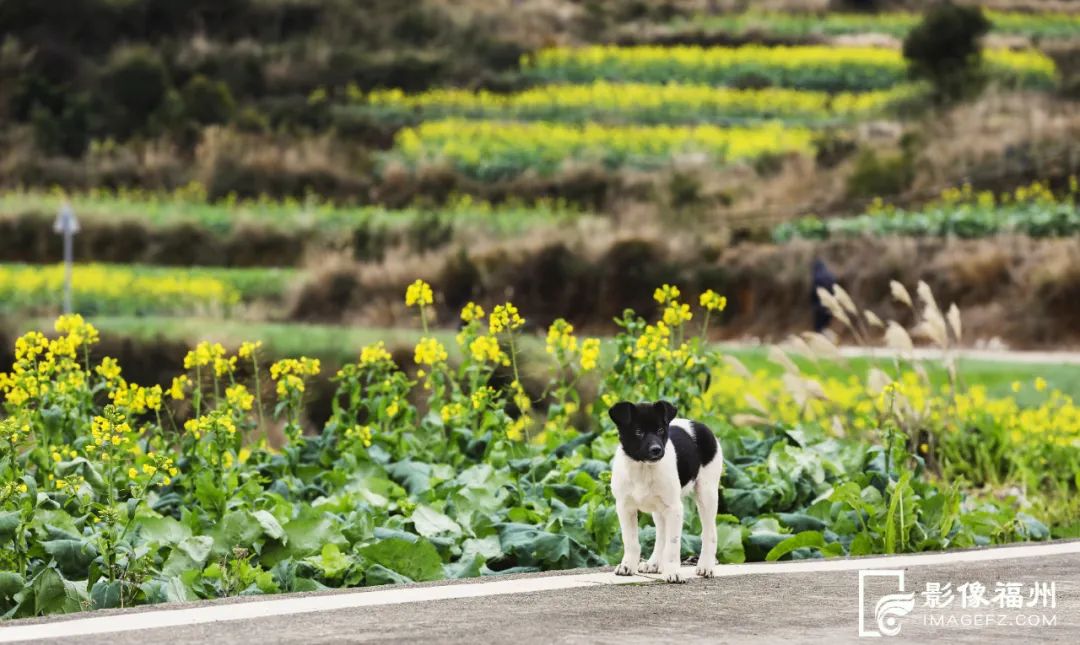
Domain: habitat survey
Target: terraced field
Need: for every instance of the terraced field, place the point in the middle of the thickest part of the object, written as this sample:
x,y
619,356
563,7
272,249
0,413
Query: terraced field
x,y
185,434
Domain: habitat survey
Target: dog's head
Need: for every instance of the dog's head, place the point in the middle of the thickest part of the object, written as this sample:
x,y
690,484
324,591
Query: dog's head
x,y
643,428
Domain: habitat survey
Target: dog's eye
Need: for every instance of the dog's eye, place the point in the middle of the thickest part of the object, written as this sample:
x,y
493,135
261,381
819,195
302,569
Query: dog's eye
x,y
639,432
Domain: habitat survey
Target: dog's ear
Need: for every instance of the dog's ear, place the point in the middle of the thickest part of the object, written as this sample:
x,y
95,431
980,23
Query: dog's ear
x,y
665,411
622,413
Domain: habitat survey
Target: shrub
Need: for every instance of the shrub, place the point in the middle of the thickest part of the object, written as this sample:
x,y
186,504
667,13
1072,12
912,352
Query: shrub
x,y
207,102
66,132
886,174
136,83
250,120
945,50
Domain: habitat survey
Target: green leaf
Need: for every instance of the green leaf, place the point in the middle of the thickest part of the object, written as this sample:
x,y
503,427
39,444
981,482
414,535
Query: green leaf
x,y
804,539
429,522
55,595
331,561
81,466
237,528
162,530
308,536
171,589
11,583
209,492
9,523
413,475
72,556
265,583
189,553
862,544
900,516
57,521
270,526
729,543
800,522
377,574
468,566
832,549
1033,528
416,560
746,502
105,594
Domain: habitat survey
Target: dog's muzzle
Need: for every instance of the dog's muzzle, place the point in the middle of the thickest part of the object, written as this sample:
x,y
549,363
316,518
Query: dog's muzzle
x,y
656,452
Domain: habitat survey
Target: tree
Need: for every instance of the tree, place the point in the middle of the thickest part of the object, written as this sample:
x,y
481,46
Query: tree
x,y
945,49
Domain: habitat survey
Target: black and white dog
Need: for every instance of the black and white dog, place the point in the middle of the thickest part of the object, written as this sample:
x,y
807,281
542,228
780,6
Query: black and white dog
x,y
660,458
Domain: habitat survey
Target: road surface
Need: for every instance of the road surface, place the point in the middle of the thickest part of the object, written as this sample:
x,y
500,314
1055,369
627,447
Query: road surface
x,y
795,602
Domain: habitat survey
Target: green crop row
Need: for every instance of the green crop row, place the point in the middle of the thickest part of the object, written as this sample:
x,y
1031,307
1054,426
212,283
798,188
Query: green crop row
x,y
1031,210
1033,25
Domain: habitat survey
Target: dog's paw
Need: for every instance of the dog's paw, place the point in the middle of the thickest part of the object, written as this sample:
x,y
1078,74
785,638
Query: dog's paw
x,y
649,567
624,569
672,574
704,570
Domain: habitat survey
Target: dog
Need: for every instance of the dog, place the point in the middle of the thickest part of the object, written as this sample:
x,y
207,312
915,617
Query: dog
x,y
660,458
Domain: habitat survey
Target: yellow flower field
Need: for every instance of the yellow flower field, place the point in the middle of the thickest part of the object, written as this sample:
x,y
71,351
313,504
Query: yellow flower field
x,y
636,102
816,67
98,287
491,149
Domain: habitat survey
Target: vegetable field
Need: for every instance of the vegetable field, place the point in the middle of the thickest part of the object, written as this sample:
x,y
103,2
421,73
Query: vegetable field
x,y
116,493
1032,210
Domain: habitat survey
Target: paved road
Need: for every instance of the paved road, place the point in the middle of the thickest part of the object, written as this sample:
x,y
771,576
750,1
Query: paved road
x,y
761,603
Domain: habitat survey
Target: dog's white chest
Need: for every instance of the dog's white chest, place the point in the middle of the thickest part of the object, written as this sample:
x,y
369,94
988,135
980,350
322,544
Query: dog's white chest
x,y
651,488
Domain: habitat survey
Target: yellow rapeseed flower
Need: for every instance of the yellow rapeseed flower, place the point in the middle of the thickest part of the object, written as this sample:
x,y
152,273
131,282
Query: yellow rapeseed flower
x,y
248,349
375,353
179,384
109,369
418,294
485,349
505,317
430,351
665,294
560,338
239,397
712,301
676,313
471,312
590,353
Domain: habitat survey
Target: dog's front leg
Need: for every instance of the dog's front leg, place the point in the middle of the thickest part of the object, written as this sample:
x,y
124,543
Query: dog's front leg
x,y
707,500
657,557
631,547
673,549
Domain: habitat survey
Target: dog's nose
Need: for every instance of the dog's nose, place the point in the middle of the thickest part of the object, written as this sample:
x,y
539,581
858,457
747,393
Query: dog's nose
x,y
655,452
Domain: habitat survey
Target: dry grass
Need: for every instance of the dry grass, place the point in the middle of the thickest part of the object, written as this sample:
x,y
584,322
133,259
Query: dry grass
x,y
1022,290
1002,135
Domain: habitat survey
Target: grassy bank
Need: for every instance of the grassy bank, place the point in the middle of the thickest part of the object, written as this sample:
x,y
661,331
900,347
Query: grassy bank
x,y
342,344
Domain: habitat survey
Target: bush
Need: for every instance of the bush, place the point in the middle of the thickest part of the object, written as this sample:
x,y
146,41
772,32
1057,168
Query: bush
x,y
945,50
207,102
66,132
137,83
250,120
882,175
